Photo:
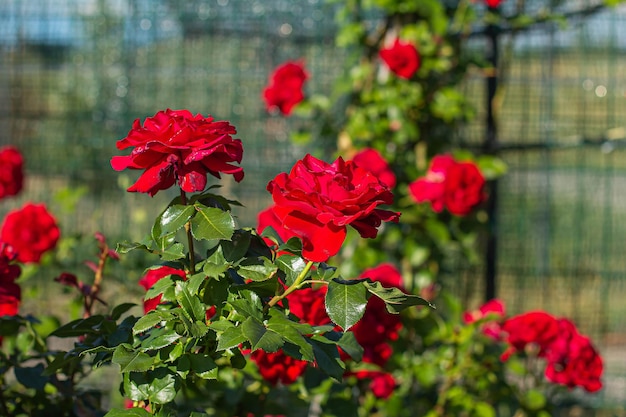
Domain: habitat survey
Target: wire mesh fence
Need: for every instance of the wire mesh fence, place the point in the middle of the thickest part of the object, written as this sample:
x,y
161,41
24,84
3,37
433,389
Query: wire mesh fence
x,y
74,74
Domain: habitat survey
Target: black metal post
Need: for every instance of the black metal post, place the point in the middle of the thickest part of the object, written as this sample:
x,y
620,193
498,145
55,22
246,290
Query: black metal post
x,y
491,145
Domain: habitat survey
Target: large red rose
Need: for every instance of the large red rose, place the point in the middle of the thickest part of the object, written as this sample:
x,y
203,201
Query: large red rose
x,y
277,366
572,359
317,201
373,161
455,186
31,231
151,277
402,58
267,218
284,91
11,171
535,330
175,146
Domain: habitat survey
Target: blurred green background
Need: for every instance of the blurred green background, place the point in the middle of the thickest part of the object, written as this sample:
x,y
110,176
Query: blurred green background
x,y
74,74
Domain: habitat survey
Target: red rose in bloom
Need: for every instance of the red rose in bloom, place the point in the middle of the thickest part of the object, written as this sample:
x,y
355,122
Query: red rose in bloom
x,y
31,231
10,292
536,329
373,161
317,201
175,146
151,277
377,326
456,186
382,384
493,3
285,87
277,366
572,359
309,306
267,218
402,58
493,309
11,172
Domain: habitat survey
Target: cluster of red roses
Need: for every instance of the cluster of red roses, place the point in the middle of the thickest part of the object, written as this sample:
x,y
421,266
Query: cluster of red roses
x,y
571,359
25,234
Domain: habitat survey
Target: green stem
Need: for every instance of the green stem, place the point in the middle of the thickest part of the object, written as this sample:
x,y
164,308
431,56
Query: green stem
x,y
192,254
296,284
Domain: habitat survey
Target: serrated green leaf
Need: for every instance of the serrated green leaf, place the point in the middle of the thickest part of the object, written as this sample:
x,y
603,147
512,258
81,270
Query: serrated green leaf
x,y
79,327
263,289
119,310
203,366
291,265
212,224
159,287
249,307
351,346
190,303
173,252
395,300
237,246
230,338
260,337
126,246
150,320
257,269
290,332
159,386
174,218
159,338
345,303
131,360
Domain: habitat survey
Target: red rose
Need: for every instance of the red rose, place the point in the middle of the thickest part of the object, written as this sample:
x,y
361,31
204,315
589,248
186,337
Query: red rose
x,y
402,58
572,359
277,366
285,87
10,292
31,231
317,201
151,277
382,384
267,218
11,172
373,161
493,3
175,146
456,186
493,309
309,306
536,330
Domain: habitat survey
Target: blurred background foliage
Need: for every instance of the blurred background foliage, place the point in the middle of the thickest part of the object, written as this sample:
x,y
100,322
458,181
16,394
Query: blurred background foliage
x,y
74,74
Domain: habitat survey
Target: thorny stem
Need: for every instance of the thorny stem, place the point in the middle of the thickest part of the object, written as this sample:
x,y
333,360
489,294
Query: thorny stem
x,y
293,287
192,256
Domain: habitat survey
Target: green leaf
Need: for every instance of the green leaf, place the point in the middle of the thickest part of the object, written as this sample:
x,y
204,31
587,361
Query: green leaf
x,y
327,357
263,289
131,360
395,300
257,269
159,386
119,310
31,377
203,366
236,248
212,224
291,332
126,246
159,287
260,337
345,303
150,320
173,253
160,338
175,217
351,346
230,338
129,412
249,307
79,327
190,303
291,265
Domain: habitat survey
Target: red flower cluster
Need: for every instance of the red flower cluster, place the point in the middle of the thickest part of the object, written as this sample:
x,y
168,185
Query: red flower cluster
x,y
317,201
31,231
285,87
10,292
373,161
11,171
571,358
493,312
382,384
277,366
456,186
402,58
175,146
